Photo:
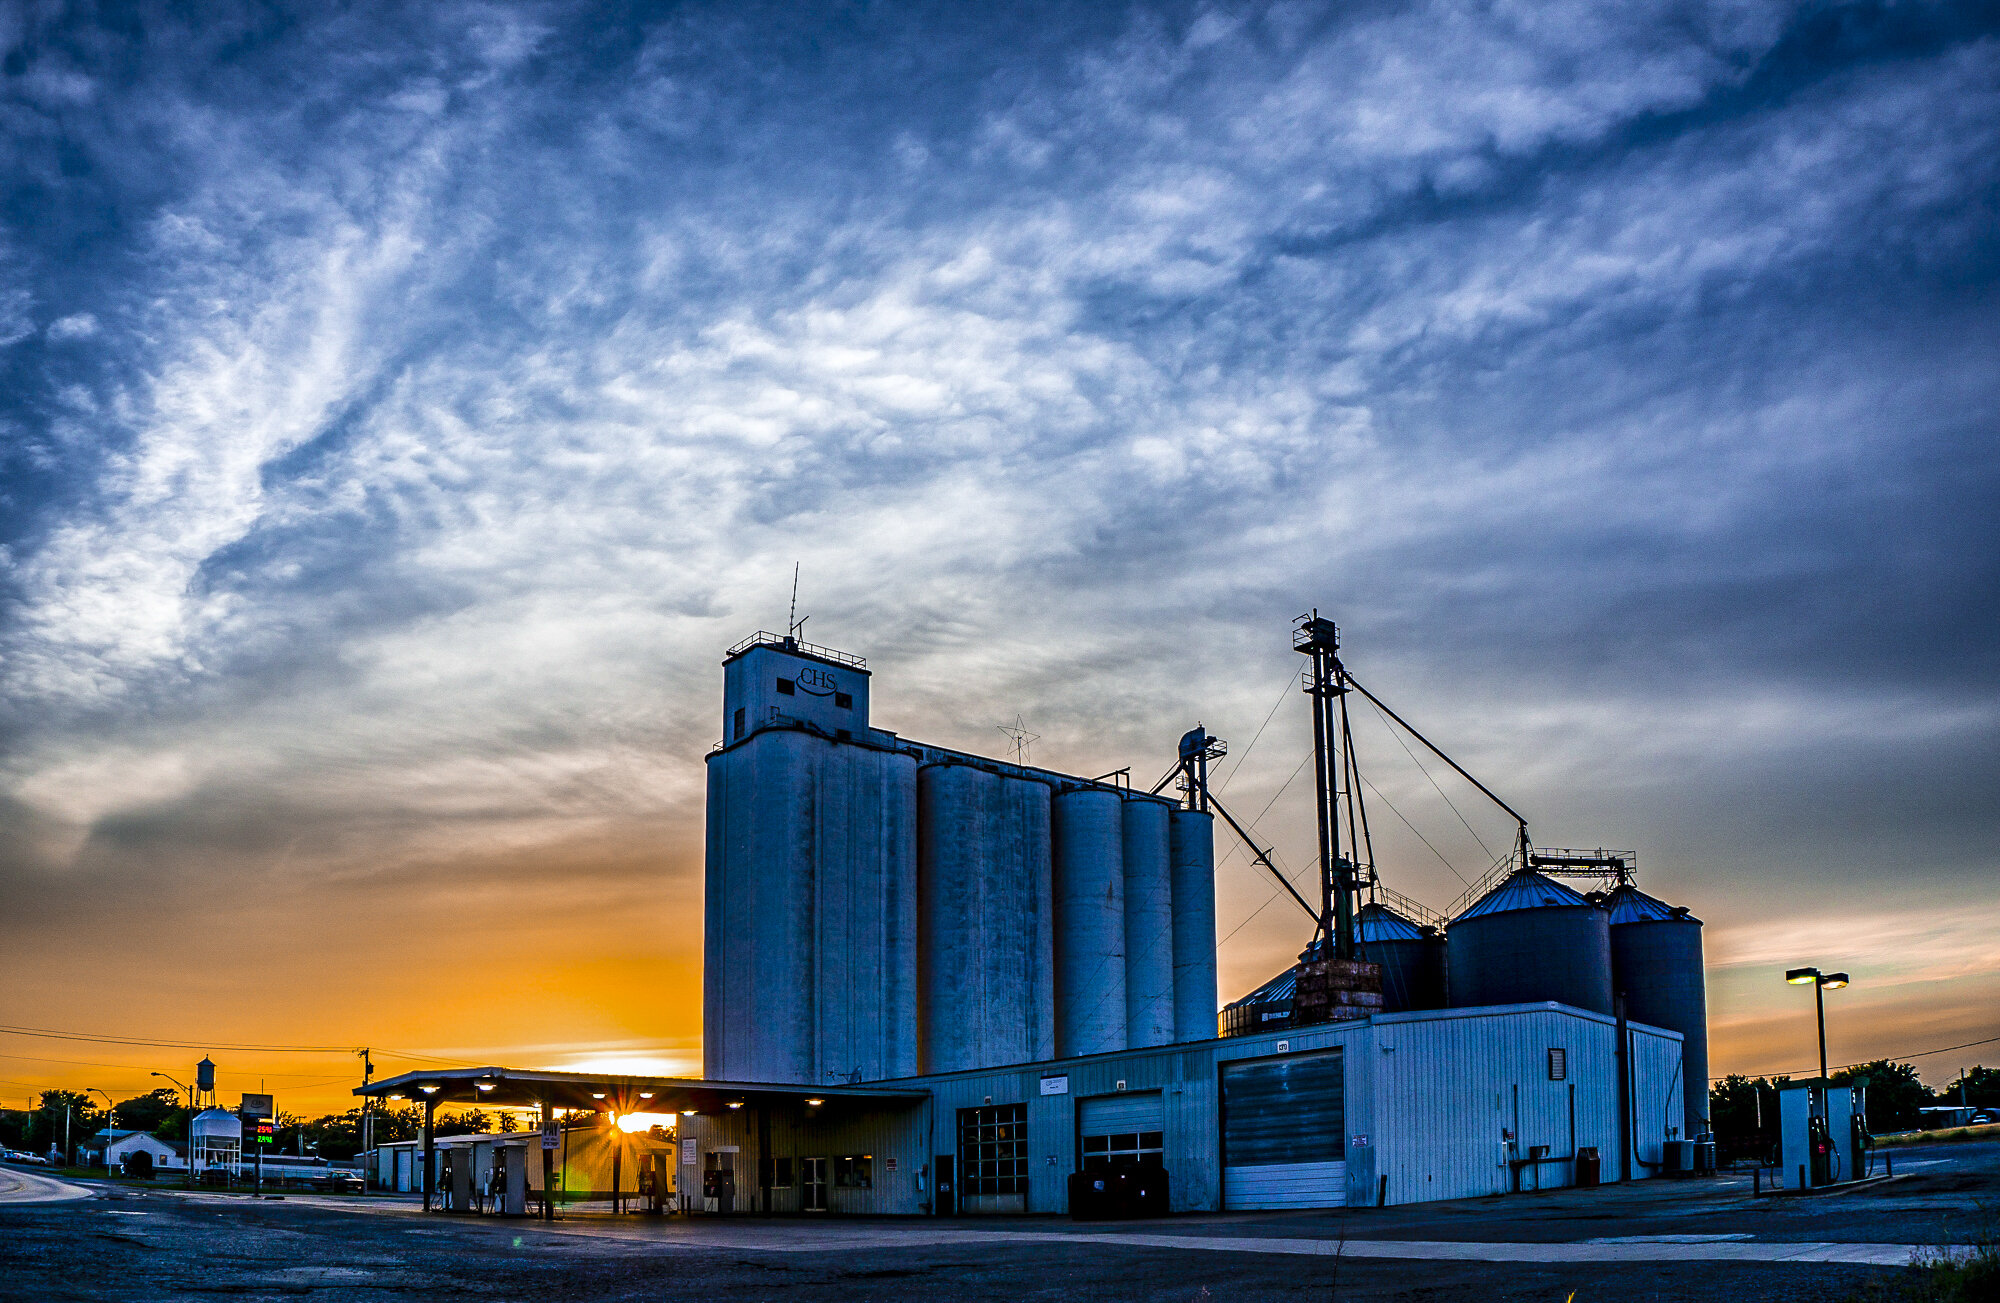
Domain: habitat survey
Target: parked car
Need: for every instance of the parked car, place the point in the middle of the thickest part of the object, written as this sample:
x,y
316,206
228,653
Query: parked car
x,y
338,1183
1984,1116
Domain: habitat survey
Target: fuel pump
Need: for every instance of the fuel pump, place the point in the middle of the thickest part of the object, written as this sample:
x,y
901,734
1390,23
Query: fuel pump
x,y
1824,1161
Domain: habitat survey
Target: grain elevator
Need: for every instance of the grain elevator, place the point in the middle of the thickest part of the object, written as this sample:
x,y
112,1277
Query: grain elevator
x,y
881,908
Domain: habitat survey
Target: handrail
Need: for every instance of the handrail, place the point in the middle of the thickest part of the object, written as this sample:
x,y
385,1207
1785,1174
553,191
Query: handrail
x,y
764,638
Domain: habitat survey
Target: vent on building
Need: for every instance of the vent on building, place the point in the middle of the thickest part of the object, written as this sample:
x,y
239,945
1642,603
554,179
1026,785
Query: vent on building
x,y
1558,1064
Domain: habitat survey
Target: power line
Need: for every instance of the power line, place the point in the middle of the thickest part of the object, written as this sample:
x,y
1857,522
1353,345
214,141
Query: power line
x,y
1244,754
1434,782
1920,1054
147,1042
155,1043
1413,828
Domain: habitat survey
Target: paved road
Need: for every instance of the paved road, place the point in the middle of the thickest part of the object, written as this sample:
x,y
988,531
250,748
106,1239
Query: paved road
x,y
1705,1241
17,1185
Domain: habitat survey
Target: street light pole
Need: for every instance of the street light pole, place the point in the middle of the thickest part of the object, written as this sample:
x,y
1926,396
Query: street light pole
x,y
1819,1002
1820,982
189,1175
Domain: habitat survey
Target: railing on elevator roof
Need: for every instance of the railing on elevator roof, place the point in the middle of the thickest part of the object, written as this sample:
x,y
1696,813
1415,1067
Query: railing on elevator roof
x,y
764,638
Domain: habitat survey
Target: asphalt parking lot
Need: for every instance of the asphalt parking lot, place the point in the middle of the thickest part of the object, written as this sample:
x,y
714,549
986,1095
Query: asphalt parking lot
x,y
1654,1240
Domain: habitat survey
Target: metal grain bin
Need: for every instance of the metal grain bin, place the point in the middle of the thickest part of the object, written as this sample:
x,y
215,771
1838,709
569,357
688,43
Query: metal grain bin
x,y
1411,957
1528,940
1656,961
1268,1008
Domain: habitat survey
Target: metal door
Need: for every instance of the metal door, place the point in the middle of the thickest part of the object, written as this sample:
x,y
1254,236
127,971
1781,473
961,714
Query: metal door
x,y
403,1157
1125,1128
947,1186
813,1176
1283,1140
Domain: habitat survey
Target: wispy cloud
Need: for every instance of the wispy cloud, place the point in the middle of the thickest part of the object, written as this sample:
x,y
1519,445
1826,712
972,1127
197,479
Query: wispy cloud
x,y
442,393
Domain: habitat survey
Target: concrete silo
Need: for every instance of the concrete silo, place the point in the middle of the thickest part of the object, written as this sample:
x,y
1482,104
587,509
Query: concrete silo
x,y
1191,847
810,970
986,961
1149,923
1088,828
1412,958
1530,939
1656,963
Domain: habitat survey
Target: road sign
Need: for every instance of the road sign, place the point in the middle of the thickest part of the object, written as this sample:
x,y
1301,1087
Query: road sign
x,y
256,1106
551,1134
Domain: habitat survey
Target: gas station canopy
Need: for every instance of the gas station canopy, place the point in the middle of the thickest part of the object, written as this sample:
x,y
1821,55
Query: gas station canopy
x,y
498,1087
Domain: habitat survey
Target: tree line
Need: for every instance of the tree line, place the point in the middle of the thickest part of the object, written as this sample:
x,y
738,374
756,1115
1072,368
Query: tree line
x,y
65,1118
1743,1111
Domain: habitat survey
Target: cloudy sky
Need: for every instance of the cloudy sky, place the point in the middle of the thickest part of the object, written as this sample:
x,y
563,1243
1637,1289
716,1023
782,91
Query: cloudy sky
x,y
400,412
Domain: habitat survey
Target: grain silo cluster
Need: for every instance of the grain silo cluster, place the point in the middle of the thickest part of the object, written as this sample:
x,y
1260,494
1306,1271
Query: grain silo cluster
x,y
880,907
944,984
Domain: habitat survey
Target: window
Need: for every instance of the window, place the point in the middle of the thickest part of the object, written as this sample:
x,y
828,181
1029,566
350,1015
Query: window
x,y
854,1171
993,1149
1114,1151
739,723
843,700
786,688
1558,1064
774,1173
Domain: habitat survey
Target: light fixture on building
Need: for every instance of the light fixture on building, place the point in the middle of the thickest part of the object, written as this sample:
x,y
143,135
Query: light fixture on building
x,y
395,1097
597,1094
645,1094
815,1102
736,1103
428,1089
485,1085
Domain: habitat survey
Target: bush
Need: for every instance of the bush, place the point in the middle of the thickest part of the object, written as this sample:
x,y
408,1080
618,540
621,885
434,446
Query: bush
x,y
1965,1273
138,1164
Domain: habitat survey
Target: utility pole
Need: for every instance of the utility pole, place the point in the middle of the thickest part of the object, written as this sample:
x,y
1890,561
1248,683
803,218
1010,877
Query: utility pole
x,y
367,1125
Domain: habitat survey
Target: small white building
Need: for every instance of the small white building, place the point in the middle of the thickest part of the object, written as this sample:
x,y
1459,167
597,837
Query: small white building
x,y
168,1155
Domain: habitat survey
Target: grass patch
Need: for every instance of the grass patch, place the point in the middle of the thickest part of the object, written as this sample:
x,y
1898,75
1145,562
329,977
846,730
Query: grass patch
x,y
1944,1135
1950,1273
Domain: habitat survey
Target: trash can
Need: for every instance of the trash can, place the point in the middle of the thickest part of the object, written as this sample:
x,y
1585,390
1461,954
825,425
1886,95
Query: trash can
x,y
1586,1166
1089,1196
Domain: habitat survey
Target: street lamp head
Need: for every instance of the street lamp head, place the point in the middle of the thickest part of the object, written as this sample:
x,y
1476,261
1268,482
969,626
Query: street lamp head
x,y
1802,976
1834,981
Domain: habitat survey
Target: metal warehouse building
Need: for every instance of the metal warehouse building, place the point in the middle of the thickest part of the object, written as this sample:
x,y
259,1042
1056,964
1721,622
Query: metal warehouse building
x,y
1398,1108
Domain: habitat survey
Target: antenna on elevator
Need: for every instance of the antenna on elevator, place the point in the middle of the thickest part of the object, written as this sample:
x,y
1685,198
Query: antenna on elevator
x,y
792,621
1019,738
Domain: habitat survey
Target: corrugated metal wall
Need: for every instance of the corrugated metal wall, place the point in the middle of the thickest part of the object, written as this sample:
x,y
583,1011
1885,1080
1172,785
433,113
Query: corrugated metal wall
x,y
1428,1098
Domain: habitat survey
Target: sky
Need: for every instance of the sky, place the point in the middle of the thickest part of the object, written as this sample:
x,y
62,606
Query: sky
x,y
402,410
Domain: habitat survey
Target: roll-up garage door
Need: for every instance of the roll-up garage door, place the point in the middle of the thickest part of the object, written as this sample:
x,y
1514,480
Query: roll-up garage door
x,y
1115,1128
1283,1133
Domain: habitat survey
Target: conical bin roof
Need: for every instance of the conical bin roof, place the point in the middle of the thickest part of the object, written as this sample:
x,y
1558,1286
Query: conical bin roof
x,y
1524,889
